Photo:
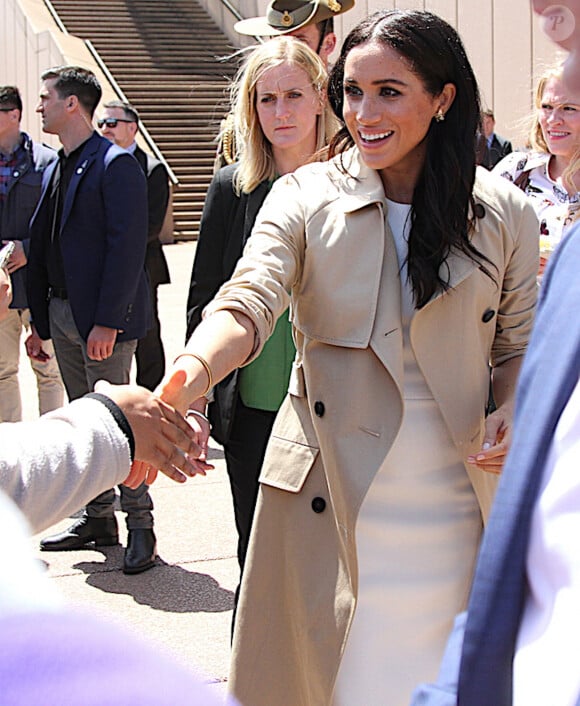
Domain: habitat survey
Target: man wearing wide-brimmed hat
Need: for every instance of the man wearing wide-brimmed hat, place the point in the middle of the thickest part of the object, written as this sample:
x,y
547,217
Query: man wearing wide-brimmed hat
x,y
309,21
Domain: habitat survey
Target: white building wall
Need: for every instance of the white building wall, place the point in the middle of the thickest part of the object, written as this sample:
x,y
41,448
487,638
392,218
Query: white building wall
x,y
502,38
30,43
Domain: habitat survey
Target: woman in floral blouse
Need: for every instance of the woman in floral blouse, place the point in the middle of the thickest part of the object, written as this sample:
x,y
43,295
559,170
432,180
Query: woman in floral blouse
x,y
549,174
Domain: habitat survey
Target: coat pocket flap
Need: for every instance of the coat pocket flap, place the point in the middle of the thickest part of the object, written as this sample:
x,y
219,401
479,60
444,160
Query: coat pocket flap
x,y
287,464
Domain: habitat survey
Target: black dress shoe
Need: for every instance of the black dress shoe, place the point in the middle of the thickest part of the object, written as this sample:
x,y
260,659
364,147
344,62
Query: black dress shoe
x,y
141,551
100,530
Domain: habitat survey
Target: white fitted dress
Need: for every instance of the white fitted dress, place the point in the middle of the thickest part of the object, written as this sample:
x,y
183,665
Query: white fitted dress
x,y
417,537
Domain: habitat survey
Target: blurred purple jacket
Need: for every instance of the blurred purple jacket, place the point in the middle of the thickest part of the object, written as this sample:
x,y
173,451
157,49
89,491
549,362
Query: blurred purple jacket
x,y
70,658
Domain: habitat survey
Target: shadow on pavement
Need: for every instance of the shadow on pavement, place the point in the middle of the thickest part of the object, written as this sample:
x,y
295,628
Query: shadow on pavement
x,y
215,453
165,587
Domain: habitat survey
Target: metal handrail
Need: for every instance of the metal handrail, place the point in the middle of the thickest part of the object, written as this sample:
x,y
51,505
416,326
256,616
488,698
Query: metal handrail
x,y
228,5
142,129
55,16
97,57
238,16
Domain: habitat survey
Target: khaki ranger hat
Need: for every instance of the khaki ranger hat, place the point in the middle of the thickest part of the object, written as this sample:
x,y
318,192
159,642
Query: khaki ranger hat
x,y
283,16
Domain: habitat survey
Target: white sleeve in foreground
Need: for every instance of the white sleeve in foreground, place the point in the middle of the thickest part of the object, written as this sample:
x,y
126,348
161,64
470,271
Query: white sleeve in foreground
x,y
54,465
549,634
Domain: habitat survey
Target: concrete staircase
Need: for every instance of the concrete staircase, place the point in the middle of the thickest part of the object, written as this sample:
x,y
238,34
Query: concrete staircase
x,y
164,56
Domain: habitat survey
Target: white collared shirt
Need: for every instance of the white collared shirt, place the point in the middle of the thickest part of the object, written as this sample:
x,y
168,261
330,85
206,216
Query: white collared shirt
x,y
546,670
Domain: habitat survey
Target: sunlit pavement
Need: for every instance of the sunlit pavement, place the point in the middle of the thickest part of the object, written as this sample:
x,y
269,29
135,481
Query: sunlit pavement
x,y
184,603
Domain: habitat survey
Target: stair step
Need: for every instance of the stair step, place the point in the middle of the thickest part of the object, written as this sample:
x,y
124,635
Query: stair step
x,y
167,59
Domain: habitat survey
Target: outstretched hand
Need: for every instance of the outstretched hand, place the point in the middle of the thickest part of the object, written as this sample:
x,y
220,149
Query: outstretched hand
x,y
496,441
172,390
163,439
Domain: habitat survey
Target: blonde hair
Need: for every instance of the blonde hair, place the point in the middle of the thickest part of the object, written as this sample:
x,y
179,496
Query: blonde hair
x,y
536,136
256,159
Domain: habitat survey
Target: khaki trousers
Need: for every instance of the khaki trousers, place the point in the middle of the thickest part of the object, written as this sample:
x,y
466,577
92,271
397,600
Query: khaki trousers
x,y
48,380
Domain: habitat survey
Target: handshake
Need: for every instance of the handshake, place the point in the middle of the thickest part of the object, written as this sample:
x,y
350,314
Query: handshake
x,y
164,440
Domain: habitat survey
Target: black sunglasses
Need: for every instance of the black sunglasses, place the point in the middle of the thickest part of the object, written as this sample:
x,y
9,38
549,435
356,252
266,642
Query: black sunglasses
x,y
112,122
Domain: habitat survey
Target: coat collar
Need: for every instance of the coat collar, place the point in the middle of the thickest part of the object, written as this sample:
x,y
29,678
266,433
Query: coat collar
x,y
86,158
88,153
362,186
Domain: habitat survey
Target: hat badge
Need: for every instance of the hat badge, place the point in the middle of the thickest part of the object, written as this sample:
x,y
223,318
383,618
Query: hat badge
x,y
287,20
334,6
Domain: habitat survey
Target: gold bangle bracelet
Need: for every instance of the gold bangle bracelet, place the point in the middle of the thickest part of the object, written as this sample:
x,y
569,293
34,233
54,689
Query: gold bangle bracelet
x,y
206,367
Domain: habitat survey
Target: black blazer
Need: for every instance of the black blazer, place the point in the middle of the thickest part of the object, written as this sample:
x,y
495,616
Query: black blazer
x,y
157,201
226,224
500,147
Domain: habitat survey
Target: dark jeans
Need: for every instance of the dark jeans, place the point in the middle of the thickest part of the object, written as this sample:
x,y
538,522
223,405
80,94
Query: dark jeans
x,y
136,503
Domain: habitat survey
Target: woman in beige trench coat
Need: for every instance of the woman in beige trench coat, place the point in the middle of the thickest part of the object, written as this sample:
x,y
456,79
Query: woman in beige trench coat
x,y
408,275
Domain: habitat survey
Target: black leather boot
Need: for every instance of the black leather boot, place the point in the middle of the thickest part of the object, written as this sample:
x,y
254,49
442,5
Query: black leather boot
x,y
141,551
100,530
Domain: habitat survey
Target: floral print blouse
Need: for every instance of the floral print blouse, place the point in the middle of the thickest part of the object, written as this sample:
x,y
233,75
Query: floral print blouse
x,y
555,208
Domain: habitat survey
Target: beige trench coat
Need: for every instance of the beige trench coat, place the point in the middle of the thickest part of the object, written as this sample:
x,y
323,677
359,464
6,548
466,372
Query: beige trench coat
x,y
321,236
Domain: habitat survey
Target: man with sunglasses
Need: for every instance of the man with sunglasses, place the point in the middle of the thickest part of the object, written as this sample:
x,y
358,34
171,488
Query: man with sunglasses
x,y
22,163
308,21
119,123
87,284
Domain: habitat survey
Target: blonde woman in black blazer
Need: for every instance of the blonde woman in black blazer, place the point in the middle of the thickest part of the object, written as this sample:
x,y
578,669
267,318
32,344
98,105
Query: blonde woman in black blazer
x,y
281,121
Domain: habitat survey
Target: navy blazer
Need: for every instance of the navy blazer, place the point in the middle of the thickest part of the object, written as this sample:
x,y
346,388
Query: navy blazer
x,y
477,668
226,224
103,237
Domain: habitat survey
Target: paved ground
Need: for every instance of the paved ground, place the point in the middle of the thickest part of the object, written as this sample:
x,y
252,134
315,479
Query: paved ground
x,y
185,602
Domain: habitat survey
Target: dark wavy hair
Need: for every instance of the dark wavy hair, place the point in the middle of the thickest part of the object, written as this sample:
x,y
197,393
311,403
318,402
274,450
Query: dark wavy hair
x,y
440,214
76,81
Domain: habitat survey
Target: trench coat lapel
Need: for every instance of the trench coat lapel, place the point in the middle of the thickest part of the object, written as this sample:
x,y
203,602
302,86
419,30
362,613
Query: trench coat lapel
x,y
460,268
387,336
457,268
363,188
367,191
